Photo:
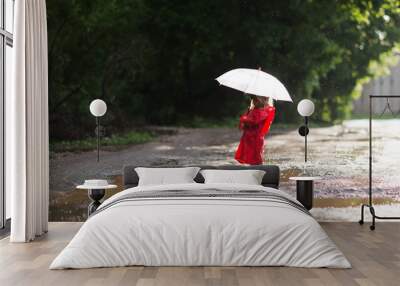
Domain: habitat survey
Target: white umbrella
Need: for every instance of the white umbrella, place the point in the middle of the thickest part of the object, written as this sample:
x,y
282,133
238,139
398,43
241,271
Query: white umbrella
x,y
255,82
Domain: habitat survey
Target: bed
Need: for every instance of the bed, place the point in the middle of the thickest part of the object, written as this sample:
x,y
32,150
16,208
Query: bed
x,y
198,224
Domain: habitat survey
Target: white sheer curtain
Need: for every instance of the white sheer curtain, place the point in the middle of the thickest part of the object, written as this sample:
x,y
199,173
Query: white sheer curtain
x,y
27,120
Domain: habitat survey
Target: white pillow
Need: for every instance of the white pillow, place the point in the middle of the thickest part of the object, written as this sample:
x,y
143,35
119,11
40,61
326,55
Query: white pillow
x,y
165,176
248,177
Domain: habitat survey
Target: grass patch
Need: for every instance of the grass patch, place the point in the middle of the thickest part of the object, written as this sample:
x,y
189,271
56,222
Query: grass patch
x,y
129,138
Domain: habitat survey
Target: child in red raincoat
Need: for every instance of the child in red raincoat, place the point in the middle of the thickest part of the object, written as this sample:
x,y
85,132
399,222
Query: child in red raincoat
x,y
255,125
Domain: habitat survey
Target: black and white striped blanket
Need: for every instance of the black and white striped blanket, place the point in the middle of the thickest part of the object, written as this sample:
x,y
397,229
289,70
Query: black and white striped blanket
x,y
205,194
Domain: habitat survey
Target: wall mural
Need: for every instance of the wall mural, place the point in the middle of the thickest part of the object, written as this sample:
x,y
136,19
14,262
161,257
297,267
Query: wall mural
x,y
156,68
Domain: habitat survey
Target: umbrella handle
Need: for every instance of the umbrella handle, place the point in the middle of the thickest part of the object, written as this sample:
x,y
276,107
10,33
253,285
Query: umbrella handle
x,y
271,101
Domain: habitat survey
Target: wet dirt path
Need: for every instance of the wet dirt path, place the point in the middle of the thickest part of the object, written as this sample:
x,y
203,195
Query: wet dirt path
x,y
338,154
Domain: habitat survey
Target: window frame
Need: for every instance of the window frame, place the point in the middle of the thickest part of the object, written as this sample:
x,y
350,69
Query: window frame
x,y
6,39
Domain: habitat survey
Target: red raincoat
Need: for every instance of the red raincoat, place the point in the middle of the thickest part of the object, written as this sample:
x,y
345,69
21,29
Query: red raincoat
x,y
255,125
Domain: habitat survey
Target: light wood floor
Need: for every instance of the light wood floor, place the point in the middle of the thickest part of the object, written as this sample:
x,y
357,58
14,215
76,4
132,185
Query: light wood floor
x,y
375,257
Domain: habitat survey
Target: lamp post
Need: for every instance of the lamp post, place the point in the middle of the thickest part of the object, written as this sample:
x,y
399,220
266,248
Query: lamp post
x,y
305,108
98,108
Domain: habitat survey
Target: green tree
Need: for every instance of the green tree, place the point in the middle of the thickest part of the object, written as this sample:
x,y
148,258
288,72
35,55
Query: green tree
x,y
155,61
371,29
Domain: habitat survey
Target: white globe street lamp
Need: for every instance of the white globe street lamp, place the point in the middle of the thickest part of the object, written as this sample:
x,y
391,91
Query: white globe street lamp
x,y
305,108
98,108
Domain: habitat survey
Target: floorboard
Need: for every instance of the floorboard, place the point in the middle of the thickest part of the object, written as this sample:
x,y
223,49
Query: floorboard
x,y
375,257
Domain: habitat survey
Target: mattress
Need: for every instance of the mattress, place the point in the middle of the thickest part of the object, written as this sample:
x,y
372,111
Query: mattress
x,y
201,225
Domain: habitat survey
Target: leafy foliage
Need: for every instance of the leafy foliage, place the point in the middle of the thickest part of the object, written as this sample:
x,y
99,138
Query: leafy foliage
x,y
154,61
128,138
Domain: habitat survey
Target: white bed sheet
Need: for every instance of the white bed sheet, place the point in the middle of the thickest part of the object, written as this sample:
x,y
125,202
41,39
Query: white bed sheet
x,y
202,232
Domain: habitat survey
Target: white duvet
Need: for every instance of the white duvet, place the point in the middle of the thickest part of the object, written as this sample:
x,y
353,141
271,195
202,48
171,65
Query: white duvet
x,y
200,231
